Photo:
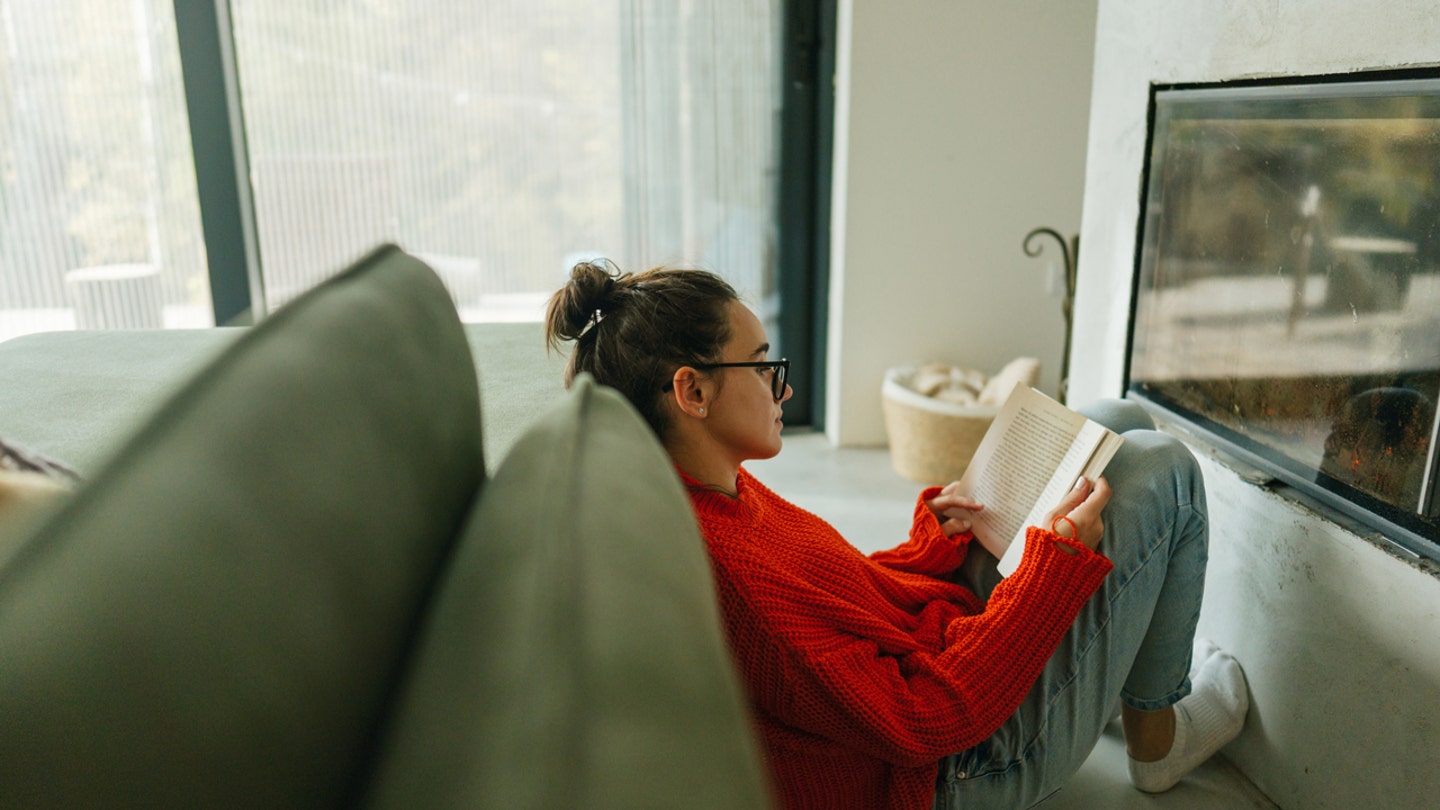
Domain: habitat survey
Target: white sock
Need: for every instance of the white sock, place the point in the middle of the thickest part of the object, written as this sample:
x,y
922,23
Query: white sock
x,y
1201,652
1205,720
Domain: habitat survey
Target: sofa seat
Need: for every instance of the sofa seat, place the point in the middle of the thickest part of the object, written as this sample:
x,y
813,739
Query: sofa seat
x,y
75,395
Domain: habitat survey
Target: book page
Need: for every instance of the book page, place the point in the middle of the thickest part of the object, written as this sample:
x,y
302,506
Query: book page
x,y
1078,458
1109,443
1013,466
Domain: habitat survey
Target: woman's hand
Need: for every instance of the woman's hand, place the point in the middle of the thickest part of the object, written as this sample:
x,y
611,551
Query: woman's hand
x,y
959,508
1082,506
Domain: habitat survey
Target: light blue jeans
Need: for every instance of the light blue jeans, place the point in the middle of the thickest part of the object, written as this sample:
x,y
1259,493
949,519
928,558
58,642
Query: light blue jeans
x,y
1132,639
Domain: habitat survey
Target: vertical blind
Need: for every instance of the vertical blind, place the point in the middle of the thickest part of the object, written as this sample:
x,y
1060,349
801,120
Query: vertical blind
x,y
500,140
99,223
504,140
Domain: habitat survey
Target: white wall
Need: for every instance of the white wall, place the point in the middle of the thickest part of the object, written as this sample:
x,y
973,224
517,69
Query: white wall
x,y
960,126
1338,638
1340,647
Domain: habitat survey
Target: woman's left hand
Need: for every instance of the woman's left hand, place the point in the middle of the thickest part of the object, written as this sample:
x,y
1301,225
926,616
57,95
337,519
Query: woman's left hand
x,y
953,510
1081,508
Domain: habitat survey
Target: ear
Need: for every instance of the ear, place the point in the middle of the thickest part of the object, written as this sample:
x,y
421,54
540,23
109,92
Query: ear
x,y
692,391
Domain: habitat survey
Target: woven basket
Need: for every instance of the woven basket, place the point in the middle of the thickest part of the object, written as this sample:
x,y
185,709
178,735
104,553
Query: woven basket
x,y
931,440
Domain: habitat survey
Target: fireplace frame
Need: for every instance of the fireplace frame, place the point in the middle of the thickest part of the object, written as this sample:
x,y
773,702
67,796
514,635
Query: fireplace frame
x,y
1309,127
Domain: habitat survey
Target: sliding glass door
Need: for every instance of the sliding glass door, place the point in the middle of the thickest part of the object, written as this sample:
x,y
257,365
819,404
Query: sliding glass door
x,y
504,140
174,163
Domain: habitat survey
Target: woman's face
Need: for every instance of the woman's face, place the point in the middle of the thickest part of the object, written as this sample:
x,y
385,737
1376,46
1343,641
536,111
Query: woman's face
x,y
744,416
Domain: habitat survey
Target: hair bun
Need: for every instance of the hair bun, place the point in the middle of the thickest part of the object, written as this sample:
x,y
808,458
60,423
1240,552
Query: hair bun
x,y
588,295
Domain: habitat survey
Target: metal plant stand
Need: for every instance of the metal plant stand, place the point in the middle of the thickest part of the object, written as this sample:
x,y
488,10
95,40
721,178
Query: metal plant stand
x,y
1070,252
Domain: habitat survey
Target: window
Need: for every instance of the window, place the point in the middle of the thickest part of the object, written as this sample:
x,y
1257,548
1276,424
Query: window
x,y
503,141
500,141
99,219
1288,286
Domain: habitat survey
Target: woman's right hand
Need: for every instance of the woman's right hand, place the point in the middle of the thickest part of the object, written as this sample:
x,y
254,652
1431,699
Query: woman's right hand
x,y
954,511
1082,505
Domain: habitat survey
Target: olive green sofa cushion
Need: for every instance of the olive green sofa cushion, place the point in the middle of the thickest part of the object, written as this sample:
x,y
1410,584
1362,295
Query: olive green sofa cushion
x,y
574,656
219,615
76,396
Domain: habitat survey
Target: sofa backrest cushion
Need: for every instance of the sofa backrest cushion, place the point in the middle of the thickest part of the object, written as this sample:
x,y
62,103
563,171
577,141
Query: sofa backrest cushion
x,y
218,615
574,656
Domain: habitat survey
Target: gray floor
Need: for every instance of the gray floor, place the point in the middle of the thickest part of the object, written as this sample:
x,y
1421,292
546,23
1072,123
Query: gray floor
x,y
858,492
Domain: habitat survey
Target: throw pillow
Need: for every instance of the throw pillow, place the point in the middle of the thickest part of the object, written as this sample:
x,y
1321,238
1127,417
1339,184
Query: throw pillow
x,y
217,617
575,656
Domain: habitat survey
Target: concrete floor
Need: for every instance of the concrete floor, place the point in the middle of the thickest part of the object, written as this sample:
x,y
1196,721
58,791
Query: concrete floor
x,y
859,493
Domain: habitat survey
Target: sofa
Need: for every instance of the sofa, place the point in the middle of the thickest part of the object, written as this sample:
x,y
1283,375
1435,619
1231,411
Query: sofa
x,y
304,567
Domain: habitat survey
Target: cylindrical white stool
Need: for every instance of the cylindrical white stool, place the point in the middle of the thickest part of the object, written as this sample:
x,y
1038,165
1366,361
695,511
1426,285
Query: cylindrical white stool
x,y
116,296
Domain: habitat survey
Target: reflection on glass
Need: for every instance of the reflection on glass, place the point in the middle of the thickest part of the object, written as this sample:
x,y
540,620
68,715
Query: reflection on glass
x,y
1289,278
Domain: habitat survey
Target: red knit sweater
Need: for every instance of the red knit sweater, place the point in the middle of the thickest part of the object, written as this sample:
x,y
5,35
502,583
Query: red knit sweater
x,y
863,672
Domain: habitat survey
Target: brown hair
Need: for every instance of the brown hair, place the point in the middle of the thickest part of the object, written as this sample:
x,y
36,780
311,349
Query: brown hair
x,y
633,330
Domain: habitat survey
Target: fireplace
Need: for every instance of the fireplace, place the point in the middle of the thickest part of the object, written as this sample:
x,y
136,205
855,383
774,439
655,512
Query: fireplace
x,y
1287,285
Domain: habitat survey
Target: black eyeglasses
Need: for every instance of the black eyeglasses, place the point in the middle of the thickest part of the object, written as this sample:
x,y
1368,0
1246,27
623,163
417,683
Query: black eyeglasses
x,y
779,373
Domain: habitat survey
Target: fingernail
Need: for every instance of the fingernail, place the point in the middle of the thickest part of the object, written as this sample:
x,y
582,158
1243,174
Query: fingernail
x,y
965,524
1080,484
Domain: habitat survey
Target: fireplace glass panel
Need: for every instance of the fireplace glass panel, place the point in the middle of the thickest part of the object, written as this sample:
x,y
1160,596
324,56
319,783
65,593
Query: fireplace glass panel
x,y
1288,284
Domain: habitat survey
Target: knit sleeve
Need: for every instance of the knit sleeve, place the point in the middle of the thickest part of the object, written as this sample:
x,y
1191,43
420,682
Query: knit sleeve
x,y
928,551
913,706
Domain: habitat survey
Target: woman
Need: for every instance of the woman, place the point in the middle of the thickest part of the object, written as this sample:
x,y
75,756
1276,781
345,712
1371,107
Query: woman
x,y
915,677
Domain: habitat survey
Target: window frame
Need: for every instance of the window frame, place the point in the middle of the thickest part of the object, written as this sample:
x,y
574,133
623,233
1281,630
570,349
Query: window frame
x,y
1413,536
807,134
227,207
222,164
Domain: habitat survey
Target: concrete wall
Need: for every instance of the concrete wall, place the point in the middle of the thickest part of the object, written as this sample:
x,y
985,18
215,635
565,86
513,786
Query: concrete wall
x,y
1338,637
960,127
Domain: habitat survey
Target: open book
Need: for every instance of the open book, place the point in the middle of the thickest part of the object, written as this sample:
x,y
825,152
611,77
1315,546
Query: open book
x,y
1032,454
